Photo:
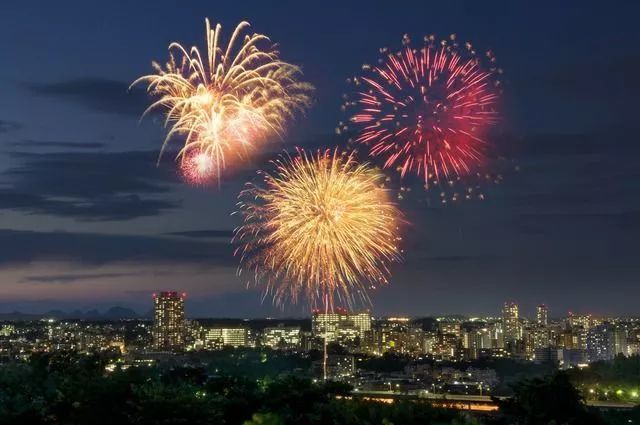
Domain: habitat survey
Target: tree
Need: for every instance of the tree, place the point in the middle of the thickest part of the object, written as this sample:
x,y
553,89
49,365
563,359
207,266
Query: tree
x,y
544,401
264,419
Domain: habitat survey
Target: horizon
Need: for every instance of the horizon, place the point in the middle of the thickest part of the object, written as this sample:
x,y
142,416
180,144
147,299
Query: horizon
x,y
140,313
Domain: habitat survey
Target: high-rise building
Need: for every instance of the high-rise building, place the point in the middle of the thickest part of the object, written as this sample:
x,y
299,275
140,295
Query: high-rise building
x,y
282,337
583,321
511,324
341,326
225,336
449,328
475,339
619,343
168,321
542,315
599,345
399,335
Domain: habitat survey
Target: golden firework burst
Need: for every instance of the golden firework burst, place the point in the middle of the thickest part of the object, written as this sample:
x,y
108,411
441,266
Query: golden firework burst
x,y
320,226
228,102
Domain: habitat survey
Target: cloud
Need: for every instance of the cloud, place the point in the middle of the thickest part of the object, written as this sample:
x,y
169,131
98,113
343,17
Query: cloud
x,y
227,234
108,208
92,249
58,144
88,185
95,93
7,126
74,277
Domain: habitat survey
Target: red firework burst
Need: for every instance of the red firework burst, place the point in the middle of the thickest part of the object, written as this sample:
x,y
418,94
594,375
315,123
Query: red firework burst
x,y
426,111
198,168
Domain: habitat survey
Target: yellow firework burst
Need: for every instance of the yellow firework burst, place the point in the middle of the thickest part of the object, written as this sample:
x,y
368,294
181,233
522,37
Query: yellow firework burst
x,y
224,104
320,226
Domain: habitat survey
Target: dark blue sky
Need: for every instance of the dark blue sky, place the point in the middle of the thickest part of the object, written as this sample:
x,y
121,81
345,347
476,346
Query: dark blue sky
x,y
87,220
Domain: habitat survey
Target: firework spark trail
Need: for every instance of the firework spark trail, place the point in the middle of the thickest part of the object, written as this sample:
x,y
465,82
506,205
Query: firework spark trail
x,y
320,227
197,168
225,104
426,111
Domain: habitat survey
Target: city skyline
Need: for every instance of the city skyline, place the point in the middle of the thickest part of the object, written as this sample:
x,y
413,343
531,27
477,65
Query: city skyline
x,y
88,221
570,341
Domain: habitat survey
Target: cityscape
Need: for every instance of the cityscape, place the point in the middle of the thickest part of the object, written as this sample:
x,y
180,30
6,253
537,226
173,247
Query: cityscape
x,y
565,342
344,212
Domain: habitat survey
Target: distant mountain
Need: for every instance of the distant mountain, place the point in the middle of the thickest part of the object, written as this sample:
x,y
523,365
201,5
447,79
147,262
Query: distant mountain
x,y
118,312
16,315
113,313
427,323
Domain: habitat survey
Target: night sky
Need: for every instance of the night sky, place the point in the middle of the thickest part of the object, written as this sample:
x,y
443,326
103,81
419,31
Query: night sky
x,y
87,220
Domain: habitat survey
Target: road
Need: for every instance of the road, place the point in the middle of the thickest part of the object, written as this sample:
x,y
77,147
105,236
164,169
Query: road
x,y
478,403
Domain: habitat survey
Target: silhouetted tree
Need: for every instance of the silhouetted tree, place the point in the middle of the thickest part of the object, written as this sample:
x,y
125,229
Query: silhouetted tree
x,y
544,401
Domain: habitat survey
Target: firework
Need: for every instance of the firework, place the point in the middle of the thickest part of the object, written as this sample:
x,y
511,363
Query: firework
x,y
198,168
426,111
226,103
320,226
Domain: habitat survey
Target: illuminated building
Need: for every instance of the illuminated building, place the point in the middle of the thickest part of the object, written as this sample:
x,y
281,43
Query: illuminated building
x,y
398,335
633,342
168,321
218,337
475,339
340,366
449,328
447,347
511,325
584,321
7,330
118,343
497,334
341,326
542,315
429,341
600,344
619,343
539,337
282,337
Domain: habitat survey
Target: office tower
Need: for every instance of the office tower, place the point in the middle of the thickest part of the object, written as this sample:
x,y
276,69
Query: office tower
x,y
542,315
282,337
168,321
225,336
341,326
510,324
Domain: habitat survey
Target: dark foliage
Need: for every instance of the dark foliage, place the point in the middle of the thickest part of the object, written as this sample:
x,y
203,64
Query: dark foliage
x,y
71,389
544,401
